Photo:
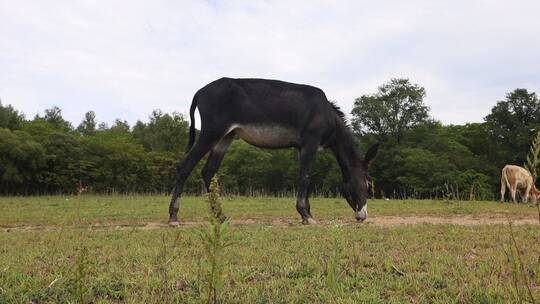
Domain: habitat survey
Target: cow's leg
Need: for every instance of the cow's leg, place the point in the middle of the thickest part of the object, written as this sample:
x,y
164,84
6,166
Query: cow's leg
x,y
513,190
503,188
215,158
203,145
307,155
526,195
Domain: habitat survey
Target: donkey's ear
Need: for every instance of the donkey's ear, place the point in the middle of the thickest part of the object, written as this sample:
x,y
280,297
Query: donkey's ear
x,y
370,155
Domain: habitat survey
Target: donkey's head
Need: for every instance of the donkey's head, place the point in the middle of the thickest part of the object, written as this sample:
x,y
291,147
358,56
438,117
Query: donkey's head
x,y
356,189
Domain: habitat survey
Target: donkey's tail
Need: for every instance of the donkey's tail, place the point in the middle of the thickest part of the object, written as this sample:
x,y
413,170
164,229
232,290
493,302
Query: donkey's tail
x,y
192,126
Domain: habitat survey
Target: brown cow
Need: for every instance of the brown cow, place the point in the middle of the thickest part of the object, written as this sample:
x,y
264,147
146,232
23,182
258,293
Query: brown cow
x,y
518,178
80,189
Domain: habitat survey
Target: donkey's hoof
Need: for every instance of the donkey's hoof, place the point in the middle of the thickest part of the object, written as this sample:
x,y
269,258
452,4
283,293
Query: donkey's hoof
x,y
174,224
309,221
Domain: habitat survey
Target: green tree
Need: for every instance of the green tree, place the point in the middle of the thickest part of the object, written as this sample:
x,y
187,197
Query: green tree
x,y
396,107
63,153
114,163
22,161
164,132
161,173
432,160
512,123
53,116
246,168
10,118
120,127
88,125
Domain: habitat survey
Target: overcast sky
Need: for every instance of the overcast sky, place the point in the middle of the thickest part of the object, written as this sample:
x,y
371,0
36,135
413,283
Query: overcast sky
x,y
123,59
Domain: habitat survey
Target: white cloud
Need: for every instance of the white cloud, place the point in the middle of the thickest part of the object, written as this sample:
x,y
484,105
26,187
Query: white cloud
x,y
125,58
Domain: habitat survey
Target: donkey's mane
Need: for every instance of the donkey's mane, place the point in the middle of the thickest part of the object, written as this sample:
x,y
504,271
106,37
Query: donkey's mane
x,y
339,113
348,137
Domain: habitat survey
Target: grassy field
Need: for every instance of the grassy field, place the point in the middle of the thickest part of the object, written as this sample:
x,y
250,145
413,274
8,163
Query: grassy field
x,y
64,258
139,210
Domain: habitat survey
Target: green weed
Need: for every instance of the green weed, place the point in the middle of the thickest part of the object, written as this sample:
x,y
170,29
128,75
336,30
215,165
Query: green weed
x,y
216,238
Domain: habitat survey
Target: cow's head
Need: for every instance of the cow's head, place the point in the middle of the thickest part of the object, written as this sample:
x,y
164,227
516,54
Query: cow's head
x,y
535,194
356,188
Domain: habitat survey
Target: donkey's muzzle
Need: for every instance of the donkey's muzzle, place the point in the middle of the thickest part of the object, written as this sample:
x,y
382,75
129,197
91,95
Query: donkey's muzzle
x,y
362,214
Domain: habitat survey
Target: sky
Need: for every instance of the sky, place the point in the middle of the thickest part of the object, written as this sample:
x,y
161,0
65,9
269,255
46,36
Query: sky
x,y
123,59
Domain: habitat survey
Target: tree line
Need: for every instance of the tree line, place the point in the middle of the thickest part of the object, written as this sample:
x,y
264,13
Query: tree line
x,y
419,156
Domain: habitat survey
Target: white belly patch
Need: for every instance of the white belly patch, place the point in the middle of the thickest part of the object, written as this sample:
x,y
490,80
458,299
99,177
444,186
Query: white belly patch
x,y
267,135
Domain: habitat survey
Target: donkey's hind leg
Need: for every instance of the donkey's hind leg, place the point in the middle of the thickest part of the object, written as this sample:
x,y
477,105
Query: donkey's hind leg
x,y
203,145
215,158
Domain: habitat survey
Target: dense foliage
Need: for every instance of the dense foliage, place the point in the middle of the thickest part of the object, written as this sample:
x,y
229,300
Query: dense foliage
x,y
419,156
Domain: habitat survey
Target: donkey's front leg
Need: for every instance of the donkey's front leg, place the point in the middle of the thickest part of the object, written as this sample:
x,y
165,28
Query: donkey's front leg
x,y
307,155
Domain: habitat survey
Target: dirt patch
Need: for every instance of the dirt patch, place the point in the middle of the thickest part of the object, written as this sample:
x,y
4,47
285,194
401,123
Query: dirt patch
x,y
382,221
465,220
